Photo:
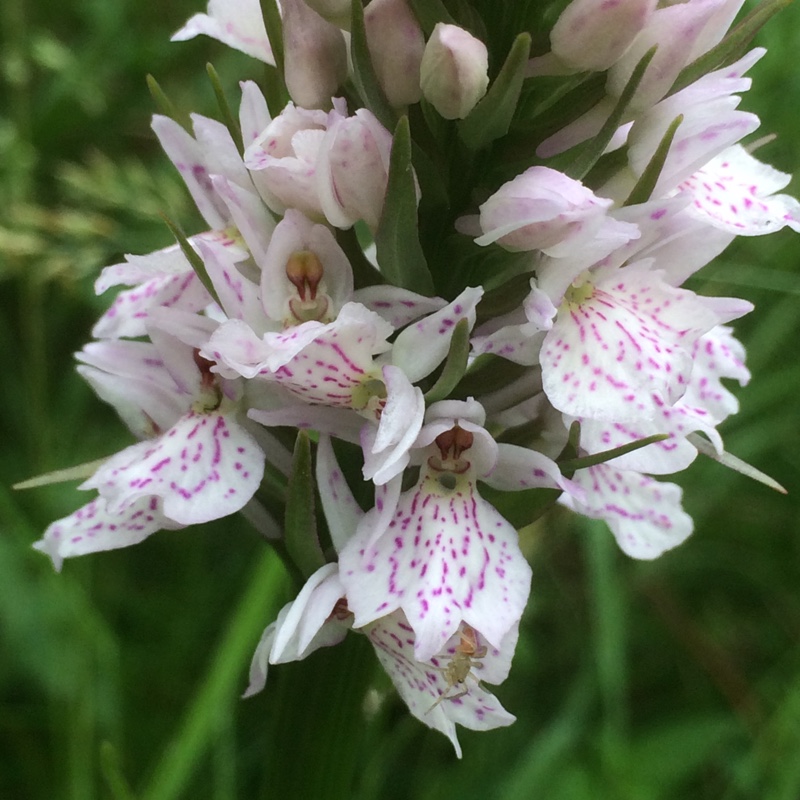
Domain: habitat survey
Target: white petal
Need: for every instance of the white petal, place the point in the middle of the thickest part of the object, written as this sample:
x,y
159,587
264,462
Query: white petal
x,y
422,684
205,467
644,515
94,528
733,192
127,315
342,513
236,23
421,347
396,305
625,351
445,558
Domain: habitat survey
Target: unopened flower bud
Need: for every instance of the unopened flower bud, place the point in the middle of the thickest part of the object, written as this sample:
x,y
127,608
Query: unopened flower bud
x,y
454,71
315,55
594,34
396,45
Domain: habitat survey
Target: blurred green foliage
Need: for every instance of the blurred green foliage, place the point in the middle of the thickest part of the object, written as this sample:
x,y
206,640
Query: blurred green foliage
x,y
120,677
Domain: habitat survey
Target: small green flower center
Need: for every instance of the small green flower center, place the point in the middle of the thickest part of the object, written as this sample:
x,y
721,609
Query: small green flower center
x,y
580,291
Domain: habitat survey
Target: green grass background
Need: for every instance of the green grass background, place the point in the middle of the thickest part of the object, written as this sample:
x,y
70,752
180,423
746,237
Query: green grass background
x,y
121,677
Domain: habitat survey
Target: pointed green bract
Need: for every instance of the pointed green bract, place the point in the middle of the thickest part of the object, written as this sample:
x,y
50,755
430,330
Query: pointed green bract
x,y
274,26
649,178
300,526
400,255
491,118
166,106
192,257
596,147
732,462
572,465
225,110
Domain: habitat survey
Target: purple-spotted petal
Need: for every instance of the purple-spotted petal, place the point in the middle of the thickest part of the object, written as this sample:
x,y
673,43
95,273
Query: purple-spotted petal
x,y
445,558
94,528
422,684
421,347
644,515
717,355
336,362
205,467
624,348
396,305
127,315
734,192
188,157
520,468
660,458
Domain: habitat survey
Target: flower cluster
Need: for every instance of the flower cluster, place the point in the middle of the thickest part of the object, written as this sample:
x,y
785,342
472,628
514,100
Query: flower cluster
x,y
436,312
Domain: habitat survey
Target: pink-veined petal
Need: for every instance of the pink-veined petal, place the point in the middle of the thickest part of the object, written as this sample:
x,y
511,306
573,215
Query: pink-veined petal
x,y
127,315
644,515
734,192
94,528
421,347
396,305
205,467
422,684
625,348
447,556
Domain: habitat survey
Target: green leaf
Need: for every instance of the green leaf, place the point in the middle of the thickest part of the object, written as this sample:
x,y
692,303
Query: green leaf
x,y
491,118
231,123
166,106
274,26
429,12
455,366
400,254
192,257
590,154
643,190
732,47
302,541
364,77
